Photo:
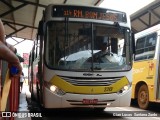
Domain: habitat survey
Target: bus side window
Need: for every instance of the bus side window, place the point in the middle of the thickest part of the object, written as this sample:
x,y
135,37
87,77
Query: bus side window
x,y
145,47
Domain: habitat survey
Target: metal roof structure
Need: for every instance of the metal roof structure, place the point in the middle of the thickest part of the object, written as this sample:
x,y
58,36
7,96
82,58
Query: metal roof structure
x,y
146,17
21,17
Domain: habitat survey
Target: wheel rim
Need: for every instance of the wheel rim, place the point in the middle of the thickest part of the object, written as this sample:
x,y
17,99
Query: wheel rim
x,y
143,97
143,100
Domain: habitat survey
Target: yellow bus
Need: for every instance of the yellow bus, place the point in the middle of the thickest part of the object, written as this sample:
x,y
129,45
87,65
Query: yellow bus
x,y
146,82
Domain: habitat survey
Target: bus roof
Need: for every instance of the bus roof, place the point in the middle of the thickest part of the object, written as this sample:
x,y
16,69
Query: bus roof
x,y
148,31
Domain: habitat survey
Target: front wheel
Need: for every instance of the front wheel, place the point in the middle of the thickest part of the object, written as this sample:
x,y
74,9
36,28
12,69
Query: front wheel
x,y
143,97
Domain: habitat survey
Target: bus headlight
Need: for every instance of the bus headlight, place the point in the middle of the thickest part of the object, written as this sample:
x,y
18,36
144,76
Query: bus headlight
x,y
124,89
54,89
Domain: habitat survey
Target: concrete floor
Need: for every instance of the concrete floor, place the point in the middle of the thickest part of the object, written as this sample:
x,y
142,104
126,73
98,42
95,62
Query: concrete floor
x,y
23,105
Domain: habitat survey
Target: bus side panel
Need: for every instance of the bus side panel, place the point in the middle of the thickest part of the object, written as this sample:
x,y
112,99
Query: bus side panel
x,y
35,80
144,72
29,78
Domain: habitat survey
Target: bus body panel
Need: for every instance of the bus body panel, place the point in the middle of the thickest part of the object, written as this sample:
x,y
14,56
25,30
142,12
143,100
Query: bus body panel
x,y
76,100
147,71
84,92
48,74
35,81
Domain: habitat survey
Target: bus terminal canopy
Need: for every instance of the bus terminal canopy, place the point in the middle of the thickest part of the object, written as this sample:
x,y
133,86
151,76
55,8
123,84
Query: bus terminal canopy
x,y
21,17
146,17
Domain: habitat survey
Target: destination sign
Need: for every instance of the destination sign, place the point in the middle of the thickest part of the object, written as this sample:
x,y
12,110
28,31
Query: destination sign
x,y
88,13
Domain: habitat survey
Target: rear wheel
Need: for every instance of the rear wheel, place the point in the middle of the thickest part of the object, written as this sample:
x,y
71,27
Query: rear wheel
x,y
143,97
32,95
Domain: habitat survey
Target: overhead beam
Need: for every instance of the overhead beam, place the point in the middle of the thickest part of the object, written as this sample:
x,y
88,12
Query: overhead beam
x,y
133,17
8,4
133,30
149,19
156,23
14,39
4,21
11,26
7,36
22,38
19,42
155,14
143,22
152,25
12,10
31,3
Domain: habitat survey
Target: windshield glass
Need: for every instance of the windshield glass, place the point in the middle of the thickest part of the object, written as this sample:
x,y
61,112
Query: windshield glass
x,y
87,46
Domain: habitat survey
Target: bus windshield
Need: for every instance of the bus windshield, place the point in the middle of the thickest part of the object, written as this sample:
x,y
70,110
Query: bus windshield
x,y
87,46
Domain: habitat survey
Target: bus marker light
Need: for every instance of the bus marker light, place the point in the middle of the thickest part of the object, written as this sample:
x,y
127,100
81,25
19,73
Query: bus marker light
x,y
152,86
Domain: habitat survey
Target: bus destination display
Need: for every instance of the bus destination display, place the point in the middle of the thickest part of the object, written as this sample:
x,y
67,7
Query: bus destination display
x,y
88,13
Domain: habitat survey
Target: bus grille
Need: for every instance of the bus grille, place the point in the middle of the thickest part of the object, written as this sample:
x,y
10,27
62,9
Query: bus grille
x,y
91,81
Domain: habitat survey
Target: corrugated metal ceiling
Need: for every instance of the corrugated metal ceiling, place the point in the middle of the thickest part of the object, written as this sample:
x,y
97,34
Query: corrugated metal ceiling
x,y
146,17
21,17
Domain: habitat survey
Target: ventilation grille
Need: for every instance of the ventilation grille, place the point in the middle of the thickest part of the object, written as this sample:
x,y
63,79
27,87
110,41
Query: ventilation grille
x,y
91,81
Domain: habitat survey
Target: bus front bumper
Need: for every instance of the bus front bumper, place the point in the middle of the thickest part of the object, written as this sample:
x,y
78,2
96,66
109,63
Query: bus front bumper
x,y
69,100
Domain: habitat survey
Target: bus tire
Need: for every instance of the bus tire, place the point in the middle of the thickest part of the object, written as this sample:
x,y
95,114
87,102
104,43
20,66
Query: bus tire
x,y
143,97
32,95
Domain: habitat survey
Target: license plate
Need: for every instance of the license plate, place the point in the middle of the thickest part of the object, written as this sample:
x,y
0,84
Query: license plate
x,y
90,101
